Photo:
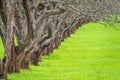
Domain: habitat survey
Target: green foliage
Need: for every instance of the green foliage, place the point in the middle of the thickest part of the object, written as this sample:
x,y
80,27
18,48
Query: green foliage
x,y
92,53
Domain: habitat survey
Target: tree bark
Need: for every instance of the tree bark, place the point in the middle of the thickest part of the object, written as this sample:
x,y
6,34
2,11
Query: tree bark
x,y
25,61
9,43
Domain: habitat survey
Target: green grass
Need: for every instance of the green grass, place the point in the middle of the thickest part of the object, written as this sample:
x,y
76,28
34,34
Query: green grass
x,y
1,49
92,53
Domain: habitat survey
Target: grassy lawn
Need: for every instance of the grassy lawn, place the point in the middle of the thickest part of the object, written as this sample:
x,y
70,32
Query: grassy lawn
x,y
92,53
1,49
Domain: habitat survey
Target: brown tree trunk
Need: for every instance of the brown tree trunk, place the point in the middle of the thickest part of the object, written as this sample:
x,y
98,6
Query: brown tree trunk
x,y
44,52
12,66
8,52
25,62
9,35
34,59
15,63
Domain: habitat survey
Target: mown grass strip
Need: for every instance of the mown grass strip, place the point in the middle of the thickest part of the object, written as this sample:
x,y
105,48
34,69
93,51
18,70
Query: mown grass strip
x,y
92,53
